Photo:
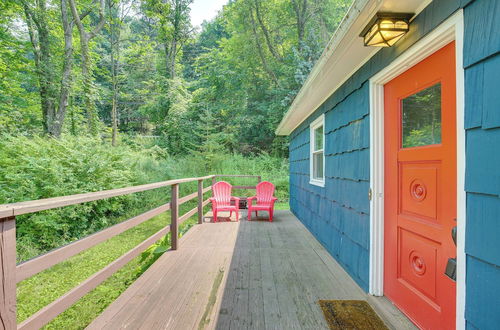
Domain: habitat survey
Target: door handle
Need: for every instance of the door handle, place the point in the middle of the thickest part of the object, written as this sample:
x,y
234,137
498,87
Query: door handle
x,y
451,265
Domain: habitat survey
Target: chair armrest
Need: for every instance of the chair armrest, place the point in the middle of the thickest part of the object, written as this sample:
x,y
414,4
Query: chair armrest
x,y
237,199
213,200
249,200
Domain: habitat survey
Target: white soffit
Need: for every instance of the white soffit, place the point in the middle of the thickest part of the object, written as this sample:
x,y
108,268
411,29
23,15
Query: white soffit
x,y
342,57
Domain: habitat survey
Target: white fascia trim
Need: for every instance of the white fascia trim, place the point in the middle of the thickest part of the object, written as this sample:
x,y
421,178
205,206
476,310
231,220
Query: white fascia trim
x,y
450,30
342,57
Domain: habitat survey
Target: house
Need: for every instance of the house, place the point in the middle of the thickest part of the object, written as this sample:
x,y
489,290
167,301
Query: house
x,y
391,148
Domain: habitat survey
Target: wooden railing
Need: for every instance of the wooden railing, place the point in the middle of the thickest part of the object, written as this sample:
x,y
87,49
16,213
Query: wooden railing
x,y
11,274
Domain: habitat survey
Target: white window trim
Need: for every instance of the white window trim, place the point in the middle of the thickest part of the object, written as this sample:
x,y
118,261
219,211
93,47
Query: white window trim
x,y
450,30
320,121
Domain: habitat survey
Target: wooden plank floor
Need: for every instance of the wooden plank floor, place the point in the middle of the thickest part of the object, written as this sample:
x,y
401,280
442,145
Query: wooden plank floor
x,y
240,275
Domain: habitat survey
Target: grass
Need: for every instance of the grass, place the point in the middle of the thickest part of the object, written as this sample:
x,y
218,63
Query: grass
x,y
281,206
50,284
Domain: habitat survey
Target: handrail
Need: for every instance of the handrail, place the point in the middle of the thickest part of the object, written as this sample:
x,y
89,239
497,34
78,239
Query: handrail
x,y
46,314
33,266
8,210
10,273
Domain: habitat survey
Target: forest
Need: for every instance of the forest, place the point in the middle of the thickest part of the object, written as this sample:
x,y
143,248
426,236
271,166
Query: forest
x,y
109,68
102,94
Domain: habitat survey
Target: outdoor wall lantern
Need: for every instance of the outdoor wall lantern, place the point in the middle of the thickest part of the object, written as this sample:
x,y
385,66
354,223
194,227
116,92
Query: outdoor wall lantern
x,y
385,29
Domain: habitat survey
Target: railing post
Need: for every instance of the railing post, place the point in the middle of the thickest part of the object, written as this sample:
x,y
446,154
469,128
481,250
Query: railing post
x,y
214,179
8,273
200,202
174,215
259,179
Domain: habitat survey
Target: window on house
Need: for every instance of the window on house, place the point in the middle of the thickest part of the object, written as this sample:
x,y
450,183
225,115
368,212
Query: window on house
x,y
317,156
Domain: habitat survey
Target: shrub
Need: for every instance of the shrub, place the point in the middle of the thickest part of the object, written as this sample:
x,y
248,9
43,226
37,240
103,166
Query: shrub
x,y
38,167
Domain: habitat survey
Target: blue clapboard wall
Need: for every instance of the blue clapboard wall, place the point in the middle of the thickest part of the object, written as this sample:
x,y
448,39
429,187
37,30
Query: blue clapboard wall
x,y
338,214
482,180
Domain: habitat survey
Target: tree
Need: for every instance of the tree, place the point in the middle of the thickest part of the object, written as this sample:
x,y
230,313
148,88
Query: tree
x,y
117,12
85,37
54,101
178,32
19,97
148,72
174,28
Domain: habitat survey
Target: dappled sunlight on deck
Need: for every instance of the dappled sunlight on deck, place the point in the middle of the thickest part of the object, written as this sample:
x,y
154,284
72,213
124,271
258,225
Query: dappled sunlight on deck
x,y
236,275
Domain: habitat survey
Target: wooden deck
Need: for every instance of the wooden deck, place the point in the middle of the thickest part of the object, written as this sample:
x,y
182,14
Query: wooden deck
x,y
240,275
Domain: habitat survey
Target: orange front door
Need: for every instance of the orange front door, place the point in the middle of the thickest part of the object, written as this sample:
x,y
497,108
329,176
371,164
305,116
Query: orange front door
x,y
420,190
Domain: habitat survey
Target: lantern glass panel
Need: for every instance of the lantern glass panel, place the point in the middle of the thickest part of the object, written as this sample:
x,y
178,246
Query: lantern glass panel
x,y
401,25
377,38
394,40
386,24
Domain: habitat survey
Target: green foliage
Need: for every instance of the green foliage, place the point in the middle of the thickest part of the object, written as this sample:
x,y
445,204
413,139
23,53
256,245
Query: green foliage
x,y
237,75
188,104
50,284
35,168
424,136
19,105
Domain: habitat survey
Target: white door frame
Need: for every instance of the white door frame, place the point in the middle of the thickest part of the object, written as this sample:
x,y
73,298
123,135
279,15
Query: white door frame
x,y
449,30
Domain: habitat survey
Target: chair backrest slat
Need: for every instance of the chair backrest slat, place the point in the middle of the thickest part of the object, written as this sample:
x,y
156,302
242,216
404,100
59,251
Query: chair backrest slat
x,y
222,192
265,191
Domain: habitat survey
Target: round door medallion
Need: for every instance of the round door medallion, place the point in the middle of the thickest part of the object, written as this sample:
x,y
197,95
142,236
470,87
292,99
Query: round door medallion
x,y
417,263
418,190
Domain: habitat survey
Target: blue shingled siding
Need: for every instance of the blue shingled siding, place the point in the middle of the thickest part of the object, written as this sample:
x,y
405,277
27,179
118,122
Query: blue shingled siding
x,y
338,214
482,181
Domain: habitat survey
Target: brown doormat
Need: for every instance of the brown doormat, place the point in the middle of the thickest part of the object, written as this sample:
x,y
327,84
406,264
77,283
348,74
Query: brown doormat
x,y
350,314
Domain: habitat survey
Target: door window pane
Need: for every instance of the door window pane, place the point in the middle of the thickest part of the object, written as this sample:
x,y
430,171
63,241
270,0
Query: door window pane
x,y
318,138
421,118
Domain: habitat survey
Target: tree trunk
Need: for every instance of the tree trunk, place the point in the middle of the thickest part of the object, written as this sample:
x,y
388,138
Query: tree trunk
x,y
88,102
173,56
264,29
39,33
85,37
114,73
262,56
300,8
57,122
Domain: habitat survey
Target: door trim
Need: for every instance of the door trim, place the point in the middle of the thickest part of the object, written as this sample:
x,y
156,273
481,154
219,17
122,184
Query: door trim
x,y
448,31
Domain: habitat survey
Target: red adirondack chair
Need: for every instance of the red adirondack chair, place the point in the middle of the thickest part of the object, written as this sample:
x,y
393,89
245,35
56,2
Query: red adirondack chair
x,y
221,200
264,200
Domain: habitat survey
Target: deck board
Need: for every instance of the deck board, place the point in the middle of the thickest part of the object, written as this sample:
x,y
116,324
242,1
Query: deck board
x,y
273,274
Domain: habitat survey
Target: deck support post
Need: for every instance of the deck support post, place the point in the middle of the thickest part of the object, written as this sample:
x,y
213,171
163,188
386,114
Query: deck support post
x,y
174,216
200,202
8,273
